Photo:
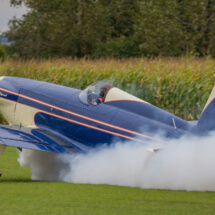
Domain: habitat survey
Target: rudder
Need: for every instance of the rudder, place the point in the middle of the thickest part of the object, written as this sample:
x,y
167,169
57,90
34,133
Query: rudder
x,y
207,118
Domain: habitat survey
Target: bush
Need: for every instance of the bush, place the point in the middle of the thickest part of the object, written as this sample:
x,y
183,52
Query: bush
x,y
119,48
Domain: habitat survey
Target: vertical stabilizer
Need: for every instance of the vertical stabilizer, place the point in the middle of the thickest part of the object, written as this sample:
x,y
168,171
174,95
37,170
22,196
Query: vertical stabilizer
x,y
207,119
210,99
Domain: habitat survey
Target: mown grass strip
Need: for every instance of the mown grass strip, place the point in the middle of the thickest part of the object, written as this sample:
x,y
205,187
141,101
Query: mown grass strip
x,y
19,195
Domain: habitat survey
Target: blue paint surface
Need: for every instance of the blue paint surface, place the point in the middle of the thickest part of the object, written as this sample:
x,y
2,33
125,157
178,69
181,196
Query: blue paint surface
x,y
96,125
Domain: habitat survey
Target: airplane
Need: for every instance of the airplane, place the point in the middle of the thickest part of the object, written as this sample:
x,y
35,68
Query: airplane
x,y
53,118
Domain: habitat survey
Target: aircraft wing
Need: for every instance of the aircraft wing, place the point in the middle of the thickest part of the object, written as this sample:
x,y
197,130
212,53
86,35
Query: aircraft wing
x,y
39,139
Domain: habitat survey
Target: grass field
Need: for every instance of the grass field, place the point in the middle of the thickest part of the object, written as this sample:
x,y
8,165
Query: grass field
x,y
20,195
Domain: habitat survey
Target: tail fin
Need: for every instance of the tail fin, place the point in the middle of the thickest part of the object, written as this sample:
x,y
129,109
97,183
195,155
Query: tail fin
x,y
207,119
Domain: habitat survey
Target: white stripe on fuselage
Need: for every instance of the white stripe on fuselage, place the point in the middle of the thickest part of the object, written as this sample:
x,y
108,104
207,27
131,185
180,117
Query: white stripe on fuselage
x,y
26,118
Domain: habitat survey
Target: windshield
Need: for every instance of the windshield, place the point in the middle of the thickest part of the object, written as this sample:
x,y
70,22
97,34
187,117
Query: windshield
x,y
91,93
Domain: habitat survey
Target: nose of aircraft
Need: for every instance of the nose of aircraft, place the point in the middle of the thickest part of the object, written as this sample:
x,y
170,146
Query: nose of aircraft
x,y
8,83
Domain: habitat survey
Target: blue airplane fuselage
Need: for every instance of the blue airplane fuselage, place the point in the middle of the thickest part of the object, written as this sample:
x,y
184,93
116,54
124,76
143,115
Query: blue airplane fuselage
x,y
59,109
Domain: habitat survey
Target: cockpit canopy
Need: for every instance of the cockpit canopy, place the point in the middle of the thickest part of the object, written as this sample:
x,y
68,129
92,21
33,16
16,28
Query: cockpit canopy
x,y
92,93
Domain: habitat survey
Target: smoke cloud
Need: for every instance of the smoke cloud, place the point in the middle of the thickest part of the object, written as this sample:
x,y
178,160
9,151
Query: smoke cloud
x,y
185,164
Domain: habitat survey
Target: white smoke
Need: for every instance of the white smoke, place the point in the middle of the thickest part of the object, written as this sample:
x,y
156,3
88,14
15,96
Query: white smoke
x,y
185,164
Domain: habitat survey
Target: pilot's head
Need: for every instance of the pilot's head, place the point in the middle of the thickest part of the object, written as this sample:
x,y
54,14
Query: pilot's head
x,y
104,89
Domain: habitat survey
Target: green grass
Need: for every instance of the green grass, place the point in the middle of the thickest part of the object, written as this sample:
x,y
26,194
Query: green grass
x,y
20,195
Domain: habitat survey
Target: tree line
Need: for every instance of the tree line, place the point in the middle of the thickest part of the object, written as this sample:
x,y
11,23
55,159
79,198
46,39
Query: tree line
x,y
113,28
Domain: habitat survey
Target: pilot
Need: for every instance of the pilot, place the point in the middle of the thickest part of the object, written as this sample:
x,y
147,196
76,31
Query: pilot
x,y
103,91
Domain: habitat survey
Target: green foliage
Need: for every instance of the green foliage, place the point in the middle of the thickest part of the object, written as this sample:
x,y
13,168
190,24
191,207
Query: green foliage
x,y
174,28
120,48
2,53
121,17
158,33
58,28
197,19
119,28
180,86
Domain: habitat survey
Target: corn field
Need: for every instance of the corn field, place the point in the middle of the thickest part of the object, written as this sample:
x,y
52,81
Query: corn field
x,y
178,85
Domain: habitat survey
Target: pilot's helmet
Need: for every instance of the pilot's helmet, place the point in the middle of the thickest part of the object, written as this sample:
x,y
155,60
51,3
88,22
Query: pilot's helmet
x,y
104,89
